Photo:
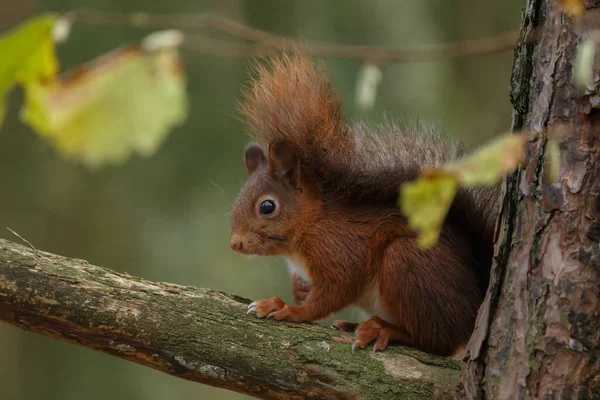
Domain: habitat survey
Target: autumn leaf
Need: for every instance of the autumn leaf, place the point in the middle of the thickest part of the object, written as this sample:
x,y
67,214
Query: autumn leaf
x,y
489,164
583,68
427,200
28,55
367,83
573,8
552,161
125,102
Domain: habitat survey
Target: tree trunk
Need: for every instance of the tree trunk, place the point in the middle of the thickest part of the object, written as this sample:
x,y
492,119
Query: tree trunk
x,y
204,335
538,331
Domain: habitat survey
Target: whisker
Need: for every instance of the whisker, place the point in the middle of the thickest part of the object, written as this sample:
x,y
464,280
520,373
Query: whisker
x,y
222,191
267,269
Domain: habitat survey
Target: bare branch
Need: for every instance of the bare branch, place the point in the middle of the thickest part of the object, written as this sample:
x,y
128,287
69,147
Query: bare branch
x,y
203,335
262,42
179,21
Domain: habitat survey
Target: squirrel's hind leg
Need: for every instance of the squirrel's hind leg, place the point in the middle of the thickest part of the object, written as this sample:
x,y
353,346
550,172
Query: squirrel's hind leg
x,y
374,329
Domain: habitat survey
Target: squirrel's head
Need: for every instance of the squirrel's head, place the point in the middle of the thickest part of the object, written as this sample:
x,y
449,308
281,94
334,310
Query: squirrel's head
x,y
266,210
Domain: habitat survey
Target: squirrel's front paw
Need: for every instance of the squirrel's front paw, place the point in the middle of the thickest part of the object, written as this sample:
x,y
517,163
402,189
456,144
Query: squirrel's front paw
x,y
263,308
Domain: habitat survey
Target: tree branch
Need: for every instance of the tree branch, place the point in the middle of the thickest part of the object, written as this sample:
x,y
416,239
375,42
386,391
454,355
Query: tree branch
x,y
262,42
203,335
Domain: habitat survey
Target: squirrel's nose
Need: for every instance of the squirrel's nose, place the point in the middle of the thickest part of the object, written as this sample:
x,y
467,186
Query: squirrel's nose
x,y
236,242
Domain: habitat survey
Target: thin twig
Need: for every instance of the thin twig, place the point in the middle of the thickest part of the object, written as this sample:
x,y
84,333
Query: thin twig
x,y
181,21
261,42
23,239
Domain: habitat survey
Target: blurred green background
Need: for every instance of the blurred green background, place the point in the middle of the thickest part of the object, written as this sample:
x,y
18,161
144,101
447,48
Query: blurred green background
x,y
165,218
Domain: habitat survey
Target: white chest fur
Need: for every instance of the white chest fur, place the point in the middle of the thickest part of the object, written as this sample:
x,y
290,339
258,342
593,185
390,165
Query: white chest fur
x,y
370,303
297,267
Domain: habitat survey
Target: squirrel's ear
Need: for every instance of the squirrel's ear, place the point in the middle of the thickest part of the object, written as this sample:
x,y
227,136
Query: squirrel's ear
x,y
284,162
253,157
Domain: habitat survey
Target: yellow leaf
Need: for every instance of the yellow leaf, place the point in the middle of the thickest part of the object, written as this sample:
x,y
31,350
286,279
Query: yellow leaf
x,y
122,103
427,200
425,203
583,68
368,81
552,161
573,8
28,55
489,164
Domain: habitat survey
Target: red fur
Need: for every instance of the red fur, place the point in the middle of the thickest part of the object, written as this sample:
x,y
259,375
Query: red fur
x,y
335,188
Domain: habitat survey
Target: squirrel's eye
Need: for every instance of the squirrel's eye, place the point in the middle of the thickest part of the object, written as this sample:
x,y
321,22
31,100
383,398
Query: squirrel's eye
x,y
267,207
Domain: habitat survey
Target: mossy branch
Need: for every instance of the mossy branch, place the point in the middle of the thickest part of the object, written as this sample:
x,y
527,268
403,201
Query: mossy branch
x,y
204,335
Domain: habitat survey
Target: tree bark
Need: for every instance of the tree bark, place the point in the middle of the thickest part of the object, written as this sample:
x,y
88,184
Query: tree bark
x,y
203,335
538,331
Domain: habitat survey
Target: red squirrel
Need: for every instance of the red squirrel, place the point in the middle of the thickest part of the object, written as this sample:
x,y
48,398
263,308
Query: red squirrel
x,y
324,194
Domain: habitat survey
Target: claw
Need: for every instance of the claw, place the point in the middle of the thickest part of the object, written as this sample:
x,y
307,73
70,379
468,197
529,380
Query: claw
x,y
270,315
378,330
251,307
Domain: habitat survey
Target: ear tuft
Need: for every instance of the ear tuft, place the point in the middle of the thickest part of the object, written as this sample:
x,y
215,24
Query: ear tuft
x,y
284,162
254,157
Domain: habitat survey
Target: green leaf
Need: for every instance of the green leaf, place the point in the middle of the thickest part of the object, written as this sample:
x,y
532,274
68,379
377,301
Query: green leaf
x,y
2,111
426,203
122,103
28,55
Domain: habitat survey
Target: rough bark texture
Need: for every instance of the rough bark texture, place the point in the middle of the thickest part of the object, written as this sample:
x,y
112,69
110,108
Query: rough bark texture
x,y
203,335
538,331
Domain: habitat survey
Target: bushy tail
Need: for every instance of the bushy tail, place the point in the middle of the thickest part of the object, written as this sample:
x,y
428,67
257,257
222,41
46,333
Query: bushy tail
x,y
475,210
291,99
